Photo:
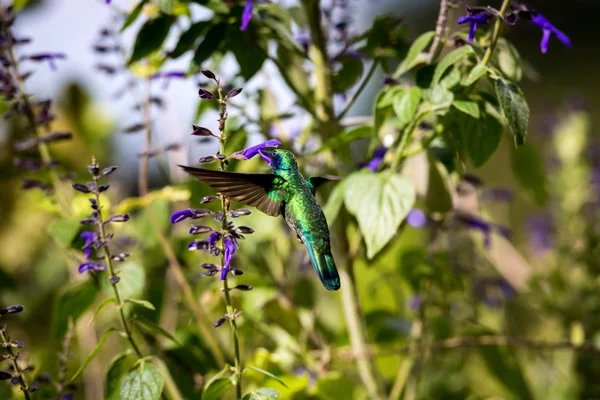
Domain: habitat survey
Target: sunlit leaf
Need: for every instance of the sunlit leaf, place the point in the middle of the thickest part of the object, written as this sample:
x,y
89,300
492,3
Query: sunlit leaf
x,y
515,109
413,57
452,58
143,383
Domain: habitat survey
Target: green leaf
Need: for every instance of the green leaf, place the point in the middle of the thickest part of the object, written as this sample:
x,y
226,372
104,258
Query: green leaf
x,y
117,369
380,202
101,306
406,105
93,354
292,71
504,365
133,15
452,58
211,42
529,170
439,96
63,231
156,329
509,60
348,75
477,72
189,38
515,109
133,279
142,303
356,133
262,394
413,57
73,302
335,386
166,6
266,373
438,198
150,37
249,49
468,107
217,386
143,383
334,203
483,137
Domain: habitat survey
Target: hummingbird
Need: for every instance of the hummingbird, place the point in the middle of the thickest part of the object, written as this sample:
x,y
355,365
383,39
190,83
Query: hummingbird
x,y
284,192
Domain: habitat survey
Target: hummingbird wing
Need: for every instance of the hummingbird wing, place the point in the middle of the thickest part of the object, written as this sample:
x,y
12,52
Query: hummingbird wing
x,y
315,181
266,192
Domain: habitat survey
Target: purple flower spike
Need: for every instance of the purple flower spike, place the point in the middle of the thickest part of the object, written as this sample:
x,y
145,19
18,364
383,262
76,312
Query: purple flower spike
x,y
254,150
179,216
247,15
548,29
475,16
230,248
89,239
416,218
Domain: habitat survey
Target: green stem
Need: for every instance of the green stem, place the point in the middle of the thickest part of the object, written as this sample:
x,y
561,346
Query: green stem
x,y
16,365
111,270
496,33
360,89
224,208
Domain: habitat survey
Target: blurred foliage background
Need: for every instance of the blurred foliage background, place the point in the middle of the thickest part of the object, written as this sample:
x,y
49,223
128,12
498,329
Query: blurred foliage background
x,y
485,286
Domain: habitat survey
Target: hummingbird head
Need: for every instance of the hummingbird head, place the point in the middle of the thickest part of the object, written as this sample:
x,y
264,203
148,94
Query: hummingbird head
x,y
279,160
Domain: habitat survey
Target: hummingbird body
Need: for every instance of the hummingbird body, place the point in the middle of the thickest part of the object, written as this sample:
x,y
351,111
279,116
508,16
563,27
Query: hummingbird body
x,y
285,192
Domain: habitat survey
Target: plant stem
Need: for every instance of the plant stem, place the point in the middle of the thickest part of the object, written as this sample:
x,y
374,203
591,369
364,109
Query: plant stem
x,y
360,89
440,40
15,364
224,208
176,268
111,270
496,33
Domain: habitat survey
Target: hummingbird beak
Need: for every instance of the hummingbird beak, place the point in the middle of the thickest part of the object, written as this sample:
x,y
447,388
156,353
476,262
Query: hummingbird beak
x,y
267,155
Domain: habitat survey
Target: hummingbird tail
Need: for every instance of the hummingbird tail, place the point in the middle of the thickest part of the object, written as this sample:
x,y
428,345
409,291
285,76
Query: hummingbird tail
x,y
325,268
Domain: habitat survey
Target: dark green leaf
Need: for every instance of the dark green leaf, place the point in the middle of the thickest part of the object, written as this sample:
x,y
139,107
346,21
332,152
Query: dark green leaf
x,y
249,49
151,36
528,168
93,354
63,231
262,394
73,302
438,198
335,386
348,75
267,373
448,61
188,39
504,365
143,383
515,109
133,15
482,138
413,57
118,368
211,42
380,202
217,386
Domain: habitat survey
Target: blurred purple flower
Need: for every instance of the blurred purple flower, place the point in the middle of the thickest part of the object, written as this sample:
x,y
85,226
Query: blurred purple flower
x,y
254,150
416,218
548,29
374,163
498,194
475,15
167,76
247,14
493,291
91,266
303,39
414,302
89,239
230,248
50,57
473,222
540,232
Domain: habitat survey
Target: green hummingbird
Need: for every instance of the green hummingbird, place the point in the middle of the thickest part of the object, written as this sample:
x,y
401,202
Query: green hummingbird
x,y
284,192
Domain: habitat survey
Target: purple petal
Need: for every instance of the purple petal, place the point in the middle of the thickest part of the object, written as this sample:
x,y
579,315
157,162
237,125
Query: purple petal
x,y
169,74
545,41
229,250
179,216
213,238
246,15
91,266
562,37
254,150
472,30
416,218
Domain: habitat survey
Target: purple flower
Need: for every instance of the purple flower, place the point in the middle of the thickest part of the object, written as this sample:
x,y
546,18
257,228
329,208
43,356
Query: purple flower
x,y
213,238
475,16
50,57
540,229
179,216
493,291
91,266
230,248
247,14
416,218
485,227
548,29
167,76
374,163
89,239
254,150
